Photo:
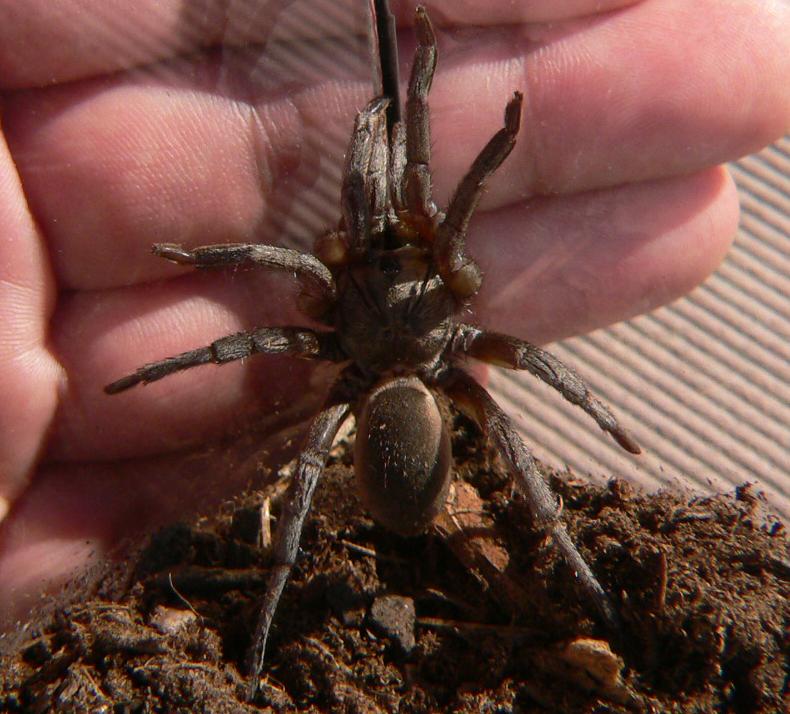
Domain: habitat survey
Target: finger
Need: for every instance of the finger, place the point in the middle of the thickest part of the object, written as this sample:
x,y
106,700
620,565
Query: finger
x,y
120,165
84,39
625,98
480,14
552,268
29,376
619,98
557,267
88,38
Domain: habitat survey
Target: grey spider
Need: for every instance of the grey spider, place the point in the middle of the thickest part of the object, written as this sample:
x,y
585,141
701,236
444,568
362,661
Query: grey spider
x,y
390,283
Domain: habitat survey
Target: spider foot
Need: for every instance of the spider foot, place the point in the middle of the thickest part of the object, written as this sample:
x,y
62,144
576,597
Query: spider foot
x,y
174,253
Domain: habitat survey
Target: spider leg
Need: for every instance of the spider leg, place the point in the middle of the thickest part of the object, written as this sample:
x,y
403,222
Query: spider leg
x,y
286,544
318,286
506,351
473,399
457,269
364,194
417,175
296,341
397,165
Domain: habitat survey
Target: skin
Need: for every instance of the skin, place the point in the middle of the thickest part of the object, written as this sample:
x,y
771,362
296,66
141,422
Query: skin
x,y
612,203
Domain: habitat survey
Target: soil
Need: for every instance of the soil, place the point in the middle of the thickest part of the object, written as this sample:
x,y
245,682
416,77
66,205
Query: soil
x,y
477,616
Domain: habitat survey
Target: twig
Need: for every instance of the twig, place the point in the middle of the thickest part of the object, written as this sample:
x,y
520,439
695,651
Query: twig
x,y
363,550
182,598
509,631
662,581
266,523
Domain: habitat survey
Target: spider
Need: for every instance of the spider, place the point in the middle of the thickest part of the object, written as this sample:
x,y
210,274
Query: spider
x,y
390,283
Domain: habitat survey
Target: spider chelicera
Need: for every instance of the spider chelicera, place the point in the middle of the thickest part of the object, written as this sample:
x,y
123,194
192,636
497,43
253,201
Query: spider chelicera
x,y
390,283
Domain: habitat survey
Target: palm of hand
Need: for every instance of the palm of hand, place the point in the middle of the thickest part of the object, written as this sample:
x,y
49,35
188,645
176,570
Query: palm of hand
x,y
100,167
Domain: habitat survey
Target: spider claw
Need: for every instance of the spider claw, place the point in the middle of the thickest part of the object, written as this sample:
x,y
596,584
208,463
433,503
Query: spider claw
x,y
424,27
513,113
627,441
173,252
122,384
378,104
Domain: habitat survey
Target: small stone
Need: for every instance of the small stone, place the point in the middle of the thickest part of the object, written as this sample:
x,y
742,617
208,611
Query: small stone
x,y
596,659
597,668
170,621
394,617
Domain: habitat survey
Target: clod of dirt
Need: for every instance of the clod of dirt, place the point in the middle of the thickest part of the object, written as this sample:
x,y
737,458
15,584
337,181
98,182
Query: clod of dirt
x,y
478,616
394,617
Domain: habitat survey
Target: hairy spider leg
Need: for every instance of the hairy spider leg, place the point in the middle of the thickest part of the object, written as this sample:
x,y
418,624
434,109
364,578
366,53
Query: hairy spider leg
x,y
294,341
459,272
310,271
512,353
286,543
319,290
318,294
364,195
397,166
416,188
473,399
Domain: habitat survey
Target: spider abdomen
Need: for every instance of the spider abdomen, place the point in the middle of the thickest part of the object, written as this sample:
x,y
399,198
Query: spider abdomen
x,y
402,455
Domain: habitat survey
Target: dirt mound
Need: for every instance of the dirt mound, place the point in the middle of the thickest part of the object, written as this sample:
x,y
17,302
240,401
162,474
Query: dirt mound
x,y
478,616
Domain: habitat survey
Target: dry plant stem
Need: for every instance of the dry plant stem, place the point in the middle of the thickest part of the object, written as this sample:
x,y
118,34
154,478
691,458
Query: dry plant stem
x,y
504,631
387,51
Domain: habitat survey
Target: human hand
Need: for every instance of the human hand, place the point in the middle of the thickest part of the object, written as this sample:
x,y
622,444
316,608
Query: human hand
x,y
610,205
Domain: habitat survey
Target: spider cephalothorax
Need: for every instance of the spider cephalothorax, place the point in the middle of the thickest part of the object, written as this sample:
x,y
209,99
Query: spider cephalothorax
x,y
389,283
